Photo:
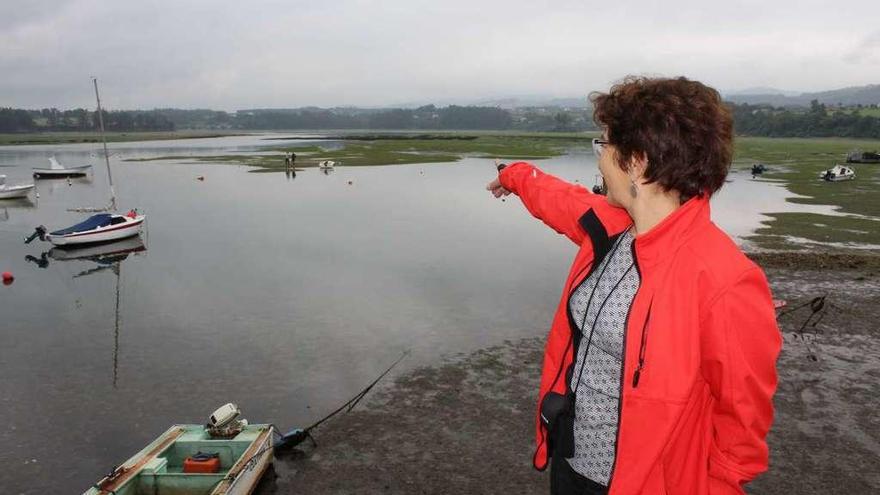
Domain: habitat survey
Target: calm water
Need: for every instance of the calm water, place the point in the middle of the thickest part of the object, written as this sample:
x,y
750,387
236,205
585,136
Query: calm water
x,y
283,295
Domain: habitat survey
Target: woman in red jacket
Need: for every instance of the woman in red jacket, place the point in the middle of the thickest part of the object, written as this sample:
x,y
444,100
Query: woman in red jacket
x,y
660,365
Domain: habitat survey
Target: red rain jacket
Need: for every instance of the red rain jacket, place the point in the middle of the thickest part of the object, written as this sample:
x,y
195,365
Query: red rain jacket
x,y
701,343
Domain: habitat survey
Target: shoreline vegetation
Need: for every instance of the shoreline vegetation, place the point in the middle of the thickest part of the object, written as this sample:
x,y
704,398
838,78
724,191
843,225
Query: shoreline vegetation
x,y
793,162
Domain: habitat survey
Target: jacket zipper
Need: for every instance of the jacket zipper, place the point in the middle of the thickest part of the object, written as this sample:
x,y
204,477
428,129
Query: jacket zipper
x,y
643,346
623,371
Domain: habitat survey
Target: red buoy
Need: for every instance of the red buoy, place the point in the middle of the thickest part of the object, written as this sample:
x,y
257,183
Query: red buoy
x,y
7,278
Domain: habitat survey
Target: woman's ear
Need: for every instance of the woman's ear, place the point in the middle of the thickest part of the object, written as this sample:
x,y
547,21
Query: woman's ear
x,y
638,165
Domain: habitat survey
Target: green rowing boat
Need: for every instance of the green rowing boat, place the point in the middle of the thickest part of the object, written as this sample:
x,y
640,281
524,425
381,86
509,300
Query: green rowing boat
x,y
189,460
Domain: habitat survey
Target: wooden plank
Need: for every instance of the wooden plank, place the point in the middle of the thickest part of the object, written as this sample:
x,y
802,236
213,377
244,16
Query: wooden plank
x,y
109,486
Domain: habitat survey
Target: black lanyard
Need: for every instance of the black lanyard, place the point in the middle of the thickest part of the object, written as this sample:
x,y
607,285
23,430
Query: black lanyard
x,y
601,306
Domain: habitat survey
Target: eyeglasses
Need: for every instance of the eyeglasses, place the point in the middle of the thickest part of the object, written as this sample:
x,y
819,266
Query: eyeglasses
x,y
599,146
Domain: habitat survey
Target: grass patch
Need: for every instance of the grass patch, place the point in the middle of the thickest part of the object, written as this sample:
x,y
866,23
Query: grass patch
x,y
819,228
394,149
797,162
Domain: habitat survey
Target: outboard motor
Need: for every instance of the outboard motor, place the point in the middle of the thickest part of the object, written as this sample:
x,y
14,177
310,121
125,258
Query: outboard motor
x,y
38,232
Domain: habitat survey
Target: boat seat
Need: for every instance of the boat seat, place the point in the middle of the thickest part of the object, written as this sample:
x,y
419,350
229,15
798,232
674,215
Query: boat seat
x,y
229,452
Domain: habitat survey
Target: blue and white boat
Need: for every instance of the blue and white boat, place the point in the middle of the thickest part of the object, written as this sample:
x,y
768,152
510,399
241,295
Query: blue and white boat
x,y
103,227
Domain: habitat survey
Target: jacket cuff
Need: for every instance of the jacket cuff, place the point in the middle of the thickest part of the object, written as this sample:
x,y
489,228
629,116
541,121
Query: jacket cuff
x,y
508,176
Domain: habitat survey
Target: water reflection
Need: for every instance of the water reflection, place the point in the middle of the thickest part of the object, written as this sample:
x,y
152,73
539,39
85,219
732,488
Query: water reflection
x,y
107,257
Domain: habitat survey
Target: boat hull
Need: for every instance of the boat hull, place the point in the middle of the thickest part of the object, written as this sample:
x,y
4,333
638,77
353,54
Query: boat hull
x,y
12,192
158,467
101,234
50,173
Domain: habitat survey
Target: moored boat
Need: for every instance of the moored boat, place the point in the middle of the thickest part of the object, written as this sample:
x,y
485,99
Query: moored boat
x,y
13,191
837,173
103,227
858,156
326,164
188,460
56,170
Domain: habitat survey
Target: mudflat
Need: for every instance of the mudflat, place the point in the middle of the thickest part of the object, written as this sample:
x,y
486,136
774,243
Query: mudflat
x,y
466,426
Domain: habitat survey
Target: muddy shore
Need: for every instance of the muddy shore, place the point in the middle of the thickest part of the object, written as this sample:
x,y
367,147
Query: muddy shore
x,y
466,425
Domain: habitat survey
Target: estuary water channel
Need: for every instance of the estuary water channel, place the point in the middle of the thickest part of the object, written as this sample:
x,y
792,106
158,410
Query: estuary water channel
x,y
284,295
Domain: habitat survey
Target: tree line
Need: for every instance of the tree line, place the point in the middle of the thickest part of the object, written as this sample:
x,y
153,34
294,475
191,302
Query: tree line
x,y
816,121
753,120
82,120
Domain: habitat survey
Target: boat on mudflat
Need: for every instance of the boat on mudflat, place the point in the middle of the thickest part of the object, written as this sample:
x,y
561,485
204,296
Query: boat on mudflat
x,y
838,173
226,456
103,227
13,191
56,170
189,460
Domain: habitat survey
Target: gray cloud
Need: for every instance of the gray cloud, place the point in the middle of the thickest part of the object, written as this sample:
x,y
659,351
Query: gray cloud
x,y
867,52
232,54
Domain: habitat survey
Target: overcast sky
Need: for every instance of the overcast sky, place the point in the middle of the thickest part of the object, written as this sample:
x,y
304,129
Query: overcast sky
x,y
229,55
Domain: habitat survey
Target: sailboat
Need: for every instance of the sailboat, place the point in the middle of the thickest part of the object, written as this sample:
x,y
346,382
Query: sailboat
x,y
103,227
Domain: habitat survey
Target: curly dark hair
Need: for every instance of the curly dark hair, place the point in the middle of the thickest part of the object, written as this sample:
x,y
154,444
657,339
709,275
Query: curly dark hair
x,y
681,126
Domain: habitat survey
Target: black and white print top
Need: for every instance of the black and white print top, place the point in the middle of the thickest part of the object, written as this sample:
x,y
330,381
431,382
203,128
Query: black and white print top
x,y
600,306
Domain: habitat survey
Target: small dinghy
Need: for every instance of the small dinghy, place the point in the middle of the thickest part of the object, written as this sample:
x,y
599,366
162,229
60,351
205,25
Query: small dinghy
x,y
16,191
103,227
326,164
56,170
220,458
838,173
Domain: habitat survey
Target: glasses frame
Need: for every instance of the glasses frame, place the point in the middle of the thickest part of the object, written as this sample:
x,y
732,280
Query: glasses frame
x,y
599,146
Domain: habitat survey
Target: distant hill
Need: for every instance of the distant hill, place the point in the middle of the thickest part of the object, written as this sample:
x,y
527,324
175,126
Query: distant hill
x,y
762,90
856,95
505,102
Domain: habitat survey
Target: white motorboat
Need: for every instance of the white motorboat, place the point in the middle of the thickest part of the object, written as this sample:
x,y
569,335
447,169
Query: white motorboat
x,y
838,173
103,227
326,164
16,191
56,170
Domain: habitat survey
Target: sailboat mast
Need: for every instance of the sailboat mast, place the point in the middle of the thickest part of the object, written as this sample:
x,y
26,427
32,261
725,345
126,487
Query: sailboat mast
x,y
104,140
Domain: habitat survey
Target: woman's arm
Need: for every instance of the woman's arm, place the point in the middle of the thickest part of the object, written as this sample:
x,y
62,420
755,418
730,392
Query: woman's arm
x,y
740,344
558,203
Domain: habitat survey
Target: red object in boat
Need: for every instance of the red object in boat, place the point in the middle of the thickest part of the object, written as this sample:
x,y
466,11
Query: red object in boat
x,y
211,465
132,214
779,304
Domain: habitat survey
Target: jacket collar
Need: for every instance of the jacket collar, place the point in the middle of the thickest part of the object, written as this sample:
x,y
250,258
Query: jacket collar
x,y
667,236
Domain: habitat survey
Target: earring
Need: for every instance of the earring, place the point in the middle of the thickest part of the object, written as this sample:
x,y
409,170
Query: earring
x,y
633,189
